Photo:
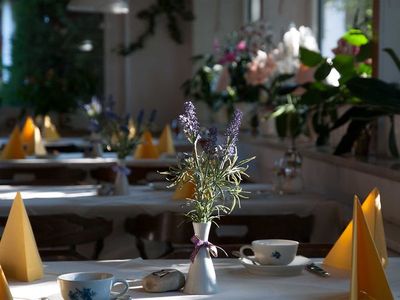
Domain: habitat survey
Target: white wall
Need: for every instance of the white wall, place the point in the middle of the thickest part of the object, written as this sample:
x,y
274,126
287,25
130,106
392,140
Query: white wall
x,y
149,78
281,13
389,37
215,19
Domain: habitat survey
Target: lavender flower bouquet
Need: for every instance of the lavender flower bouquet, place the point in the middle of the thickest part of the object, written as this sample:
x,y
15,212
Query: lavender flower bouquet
x,y
213,168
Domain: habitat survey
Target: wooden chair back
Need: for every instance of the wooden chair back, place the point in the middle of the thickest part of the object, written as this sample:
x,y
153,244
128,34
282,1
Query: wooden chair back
x,y
232,230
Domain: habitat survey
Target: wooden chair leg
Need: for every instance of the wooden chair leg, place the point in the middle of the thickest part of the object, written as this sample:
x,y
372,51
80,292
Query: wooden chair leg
x,y
141,247
97,248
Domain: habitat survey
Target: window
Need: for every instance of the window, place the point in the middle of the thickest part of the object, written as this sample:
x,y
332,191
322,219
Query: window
x,y
52,58
337,16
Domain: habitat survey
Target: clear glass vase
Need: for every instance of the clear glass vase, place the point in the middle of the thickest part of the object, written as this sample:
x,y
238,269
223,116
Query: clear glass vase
x,y
288,178
201,278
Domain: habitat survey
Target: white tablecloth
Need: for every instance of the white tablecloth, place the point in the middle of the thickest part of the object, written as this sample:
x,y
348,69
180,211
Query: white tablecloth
x,y
81,200
234,281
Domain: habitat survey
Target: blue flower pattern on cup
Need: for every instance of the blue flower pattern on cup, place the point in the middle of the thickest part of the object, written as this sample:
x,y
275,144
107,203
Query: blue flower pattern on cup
x,y
84,294
276,254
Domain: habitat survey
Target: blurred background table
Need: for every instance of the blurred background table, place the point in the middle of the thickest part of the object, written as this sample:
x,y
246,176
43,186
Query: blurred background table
x,y
83,201
74,168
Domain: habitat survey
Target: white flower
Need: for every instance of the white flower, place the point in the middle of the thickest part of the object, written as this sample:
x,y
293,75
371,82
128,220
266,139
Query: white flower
x,y
307,39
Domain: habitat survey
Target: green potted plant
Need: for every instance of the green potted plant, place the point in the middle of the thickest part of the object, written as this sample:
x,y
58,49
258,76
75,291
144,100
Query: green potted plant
x,y
365,98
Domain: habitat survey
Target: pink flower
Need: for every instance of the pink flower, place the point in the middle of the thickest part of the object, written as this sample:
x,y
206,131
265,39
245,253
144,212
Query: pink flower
x,y
241,46
227,58
343,47
304,75
260,69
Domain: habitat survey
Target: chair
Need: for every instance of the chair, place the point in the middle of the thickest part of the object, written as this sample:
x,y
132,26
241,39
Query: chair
x,y
58,235
232,231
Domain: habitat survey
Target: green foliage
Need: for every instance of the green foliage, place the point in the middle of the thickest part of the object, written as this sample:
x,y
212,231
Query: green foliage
x,y
344,64
49,73
199,87
310,58
323,71
355,37
369,98
217,180
172,9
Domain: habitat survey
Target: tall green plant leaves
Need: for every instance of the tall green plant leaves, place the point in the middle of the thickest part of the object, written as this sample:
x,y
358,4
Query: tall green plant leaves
x,y
310,58
322,71
394,57
377,93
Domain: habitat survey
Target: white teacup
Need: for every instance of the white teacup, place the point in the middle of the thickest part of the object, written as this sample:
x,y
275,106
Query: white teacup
x,y
272,252
90,285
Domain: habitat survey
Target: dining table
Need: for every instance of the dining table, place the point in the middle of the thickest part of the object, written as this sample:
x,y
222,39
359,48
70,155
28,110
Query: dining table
x,y
234,281
74,167
154,199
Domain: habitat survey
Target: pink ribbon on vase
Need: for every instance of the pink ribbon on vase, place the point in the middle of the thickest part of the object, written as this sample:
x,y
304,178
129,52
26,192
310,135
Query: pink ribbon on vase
x,y
121,169
198,243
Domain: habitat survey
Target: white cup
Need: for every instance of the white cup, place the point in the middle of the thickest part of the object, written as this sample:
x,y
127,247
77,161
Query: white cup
x,y
90,285
271,252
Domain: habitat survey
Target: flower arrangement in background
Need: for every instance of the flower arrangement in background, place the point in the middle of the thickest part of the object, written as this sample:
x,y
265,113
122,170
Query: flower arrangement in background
x,y
118,133
235,71
246,67
95,113
213,168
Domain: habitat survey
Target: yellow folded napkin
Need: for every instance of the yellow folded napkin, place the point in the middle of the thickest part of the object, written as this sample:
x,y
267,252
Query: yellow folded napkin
x,y
184,191
339,256
166,143
368,279
5,293
14,148
19,255
50,132
146,148
28,136
39,148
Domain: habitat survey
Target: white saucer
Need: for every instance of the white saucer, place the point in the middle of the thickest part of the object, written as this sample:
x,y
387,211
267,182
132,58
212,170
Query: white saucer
x,y
59,297
292,269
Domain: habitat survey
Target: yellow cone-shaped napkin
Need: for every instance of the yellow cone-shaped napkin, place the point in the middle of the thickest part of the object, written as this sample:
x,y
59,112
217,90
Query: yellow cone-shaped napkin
x,y
14,148
19,255
339,256
28,136
146,148
184,191
166,143
50,132
5,293
39,147
368,279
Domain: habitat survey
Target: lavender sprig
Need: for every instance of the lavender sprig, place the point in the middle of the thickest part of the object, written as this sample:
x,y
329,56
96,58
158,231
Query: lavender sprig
x,y
214,169
232,132
209,144
189,122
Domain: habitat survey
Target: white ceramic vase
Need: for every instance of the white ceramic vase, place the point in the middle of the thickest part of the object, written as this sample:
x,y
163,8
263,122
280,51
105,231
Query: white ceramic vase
x,y
121,184
201,278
